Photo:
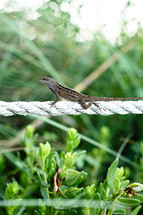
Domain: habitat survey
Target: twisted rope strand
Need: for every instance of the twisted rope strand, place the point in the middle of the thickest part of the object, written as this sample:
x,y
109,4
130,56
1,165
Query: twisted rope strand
x,y
67,107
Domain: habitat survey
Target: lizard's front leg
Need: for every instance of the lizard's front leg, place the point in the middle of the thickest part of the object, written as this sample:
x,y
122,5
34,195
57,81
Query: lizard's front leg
x,y
57,99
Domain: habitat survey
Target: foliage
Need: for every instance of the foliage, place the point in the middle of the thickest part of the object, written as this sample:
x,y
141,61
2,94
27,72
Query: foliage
x,y
62,189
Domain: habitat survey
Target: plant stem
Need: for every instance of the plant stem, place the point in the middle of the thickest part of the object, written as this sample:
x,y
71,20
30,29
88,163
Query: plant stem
x,y
45,179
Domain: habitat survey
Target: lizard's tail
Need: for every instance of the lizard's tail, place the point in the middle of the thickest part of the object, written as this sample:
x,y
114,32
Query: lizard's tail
x,y
118,98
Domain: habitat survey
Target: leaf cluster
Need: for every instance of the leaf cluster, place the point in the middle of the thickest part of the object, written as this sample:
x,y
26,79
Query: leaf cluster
x,y
54,179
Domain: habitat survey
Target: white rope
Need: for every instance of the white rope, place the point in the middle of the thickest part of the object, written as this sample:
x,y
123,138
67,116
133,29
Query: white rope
x,y
67,107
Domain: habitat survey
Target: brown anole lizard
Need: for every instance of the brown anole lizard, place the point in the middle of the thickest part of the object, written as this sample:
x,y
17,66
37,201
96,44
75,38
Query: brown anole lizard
x,y
74,96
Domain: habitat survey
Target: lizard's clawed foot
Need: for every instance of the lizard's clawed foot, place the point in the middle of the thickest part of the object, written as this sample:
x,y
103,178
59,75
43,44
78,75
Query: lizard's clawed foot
x,y
99,107
54,102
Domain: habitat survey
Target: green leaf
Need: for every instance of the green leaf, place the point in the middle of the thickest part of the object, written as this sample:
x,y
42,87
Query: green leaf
x,y
76,142
44,150
120,172
73,181
89,191
69,173
11,190
111,174
72,140
97,196
137,186
129,202
116,184
21,210
51,173
72,192
120,212
70,159
36,212
122,178
139,197
102,192
61,163
29,131
136,210
41,181
62,155
52,163
98,202
43,192
69,146
124,184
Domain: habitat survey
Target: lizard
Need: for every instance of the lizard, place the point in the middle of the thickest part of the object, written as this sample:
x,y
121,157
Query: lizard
x,y
74,96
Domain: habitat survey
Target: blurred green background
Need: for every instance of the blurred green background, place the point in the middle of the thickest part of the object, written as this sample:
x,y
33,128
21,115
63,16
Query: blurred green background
x,y
51,45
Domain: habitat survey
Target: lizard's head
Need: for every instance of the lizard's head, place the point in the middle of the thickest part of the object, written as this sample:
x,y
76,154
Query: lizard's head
x,y
49,82
44,80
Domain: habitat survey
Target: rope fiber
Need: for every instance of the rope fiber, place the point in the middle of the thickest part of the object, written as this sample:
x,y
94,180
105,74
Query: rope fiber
x,y
68,107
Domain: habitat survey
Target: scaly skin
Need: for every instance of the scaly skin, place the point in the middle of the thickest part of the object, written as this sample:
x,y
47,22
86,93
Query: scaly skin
x,y
74,96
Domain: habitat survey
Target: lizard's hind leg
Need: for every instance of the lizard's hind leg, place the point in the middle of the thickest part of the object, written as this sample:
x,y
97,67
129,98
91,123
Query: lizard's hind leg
x,y
86,106
83,104
98,106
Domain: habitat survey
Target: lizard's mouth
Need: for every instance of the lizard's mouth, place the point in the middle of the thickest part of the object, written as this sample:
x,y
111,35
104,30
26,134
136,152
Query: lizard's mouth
x,y
42,80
